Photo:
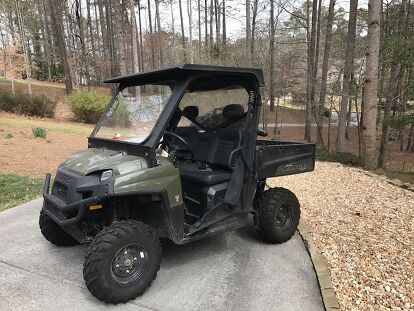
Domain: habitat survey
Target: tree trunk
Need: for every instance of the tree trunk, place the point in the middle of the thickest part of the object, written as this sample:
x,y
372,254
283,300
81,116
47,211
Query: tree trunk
x,y
325,67
91,34
311,38
57,22
348,73
272,57
45,35
160,50
98,30
190,29
182,31
248,29
141,46
211,39
81,36
252,41
199,27
205,25
224,32
105,42
391,91
315,70
217,22
25,47
151,33
134,35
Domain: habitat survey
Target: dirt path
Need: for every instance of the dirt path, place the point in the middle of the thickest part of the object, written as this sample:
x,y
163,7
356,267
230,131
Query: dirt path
x,y
23,154
365,229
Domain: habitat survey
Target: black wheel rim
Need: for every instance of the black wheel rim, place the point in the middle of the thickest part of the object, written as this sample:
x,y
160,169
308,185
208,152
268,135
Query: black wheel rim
x,y
284,217
129,263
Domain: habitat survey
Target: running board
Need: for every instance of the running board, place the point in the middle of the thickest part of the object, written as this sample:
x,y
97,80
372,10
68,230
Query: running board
x,y
229,223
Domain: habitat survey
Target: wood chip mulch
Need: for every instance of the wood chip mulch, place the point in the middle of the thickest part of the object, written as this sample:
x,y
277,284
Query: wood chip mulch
x,y
364,227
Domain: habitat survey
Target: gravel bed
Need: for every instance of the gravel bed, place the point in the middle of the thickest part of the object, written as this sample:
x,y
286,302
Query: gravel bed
x,y
364,227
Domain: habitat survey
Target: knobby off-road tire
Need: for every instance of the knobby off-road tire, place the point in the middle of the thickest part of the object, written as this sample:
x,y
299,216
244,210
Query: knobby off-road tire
x,y
277,215
122,261
53,232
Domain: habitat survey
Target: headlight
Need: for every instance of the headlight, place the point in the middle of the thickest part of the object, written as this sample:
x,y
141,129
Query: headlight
x,y
106,174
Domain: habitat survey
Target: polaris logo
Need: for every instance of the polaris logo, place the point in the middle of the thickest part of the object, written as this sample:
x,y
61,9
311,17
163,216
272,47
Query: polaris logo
x,y
63,178
296,167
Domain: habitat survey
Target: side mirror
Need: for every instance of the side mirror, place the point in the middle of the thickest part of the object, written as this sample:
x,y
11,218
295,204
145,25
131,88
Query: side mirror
x,y
262,133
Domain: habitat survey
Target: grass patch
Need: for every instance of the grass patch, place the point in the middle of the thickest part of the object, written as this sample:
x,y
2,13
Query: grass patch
x,y
39,132
322,154
8,136
34,82
15,190
48,125
394,174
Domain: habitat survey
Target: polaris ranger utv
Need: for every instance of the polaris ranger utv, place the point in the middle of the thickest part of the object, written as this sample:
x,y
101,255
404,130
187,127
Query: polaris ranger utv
x,y
175,155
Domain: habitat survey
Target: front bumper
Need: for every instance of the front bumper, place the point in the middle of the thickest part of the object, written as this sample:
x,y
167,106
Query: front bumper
x,y
74,210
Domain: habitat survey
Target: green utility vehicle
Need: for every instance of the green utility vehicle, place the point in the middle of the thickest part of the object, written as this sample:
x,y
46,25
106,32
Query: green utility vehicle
x,y
175,155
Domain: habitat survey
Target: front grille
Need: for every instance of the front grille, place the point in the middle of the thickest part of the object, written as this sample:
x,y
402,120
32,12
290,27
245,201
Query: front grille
x,y
60,191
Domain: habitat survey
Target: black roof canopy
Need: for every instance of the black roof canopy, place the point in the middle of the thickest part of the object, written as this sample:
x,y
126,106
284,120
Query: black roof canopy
x,y
186,70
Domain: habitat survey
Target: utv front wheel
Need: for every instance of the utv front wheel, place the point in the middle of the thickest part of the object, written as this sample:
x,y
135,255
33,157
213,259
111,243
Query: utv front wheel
x,y
122,261
53,232
277,215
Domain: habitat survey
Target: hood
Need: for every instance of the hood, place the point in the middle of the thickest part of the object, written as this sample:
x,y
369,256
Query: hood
x,y
97,159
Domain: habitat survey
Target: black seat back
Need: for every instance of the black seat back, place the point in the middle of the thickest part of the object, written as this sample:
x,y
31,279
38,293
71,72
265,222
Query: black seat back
x,y
228,140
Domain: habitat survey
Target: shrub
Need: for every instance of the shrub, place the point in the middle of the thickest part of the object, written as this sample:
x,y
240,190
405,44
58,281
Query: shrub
x,y
40,106
39,132
348,158
87,106
7,101
8,136
37,105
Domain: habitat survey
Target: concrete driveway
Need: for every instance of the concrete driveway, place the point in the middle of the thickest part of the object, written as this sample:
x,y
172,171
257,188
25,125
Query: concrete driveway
x,y
232,271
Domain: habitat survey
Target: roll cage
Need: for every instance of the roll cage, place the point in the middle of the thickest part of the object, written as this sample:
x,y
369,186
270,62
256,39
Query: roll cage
x,y
182,79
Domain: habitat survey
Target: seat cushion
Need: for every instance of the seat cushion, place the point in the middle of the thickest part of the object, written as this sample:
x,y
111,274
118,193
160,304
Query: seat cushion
x,y
205,177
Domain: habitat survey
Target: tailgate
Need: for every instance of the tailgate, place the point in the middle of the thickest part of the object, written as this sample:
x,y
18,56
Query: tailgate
x,y
279,158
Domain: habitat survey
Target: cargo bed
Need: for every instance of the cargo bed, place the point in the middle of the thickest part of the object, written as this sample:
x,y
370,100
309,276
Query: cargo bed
x,y
279,158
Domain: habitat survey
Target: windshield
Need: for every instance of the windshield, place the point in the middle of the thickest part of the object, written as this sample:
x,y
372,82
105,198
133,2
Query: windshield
x,y
134,113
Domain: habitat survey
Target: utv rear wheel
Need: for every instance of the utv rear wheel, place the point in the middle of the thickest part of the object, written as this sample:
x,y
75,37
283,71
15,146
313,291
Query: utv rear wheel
x,y
53,232
122,261
277,215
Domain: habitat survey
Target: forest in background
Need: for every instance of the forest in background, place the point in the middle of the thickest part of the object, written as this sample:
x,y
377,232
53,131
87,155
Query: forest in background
x,y
318,54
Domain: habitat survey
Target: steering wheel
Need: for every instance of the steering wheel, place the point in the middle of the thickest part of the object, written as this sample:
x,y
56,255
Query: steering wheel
x,y
175,149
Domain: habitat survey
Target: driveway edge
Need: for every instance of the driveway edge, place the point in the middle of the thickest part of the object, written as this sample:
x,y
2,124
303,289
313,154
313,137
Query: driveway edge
x,y
320,265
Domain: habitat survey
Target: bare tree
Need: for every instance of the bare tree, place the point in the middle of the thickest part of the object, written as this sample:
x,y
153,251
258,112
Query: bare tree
x,y
57,22
199,27
310,94
182,31
205,25
224,31
252,37
134,35
190,29
348,73
325,67
90,24
371,86
151,34
158,20
272,56
248,29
